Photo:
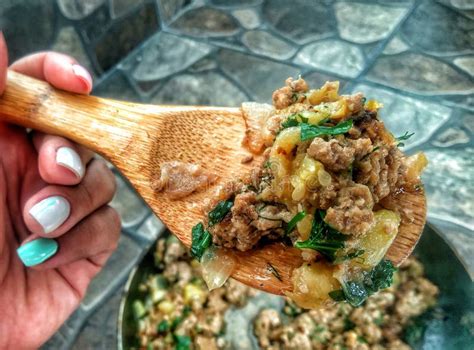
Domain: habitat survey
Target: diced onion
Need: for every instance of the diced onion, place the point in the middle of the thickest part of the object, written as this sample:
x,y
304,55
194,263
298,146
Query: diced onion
x,y
217,266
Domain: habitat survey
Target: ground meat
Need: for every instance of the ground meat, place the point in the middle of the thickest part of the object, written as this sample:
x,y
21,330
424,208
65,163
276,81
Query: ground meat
x,y
179,179
381,171
282,97
298,85
352,214
244,227
354,102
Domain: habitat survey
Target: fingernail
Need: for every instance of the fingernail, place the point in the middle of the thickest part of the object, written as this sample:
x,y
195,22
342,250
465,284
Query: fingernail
x,y
51,212
69,159
83,75
37,251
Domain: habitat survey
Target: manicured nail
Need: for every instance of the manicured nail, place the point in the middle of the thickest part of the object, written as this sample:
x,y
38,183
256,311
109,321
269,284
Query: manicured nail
x,y
51,212
83,75
69,158
37,251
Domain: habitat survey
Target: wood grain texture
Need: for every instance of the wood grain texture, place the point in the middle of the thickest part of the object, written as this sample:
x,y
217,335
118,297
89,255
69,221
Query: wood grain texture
x,y
138,138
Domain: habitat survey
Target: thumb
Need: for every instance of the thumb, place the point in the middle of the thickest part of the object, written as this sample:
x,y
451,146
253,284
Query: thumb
x,y
3,63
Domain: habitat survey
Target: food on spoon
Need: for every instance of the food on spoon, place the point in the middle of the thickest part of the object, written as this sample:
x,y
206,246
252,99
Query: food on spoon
x,y
179,179
329,165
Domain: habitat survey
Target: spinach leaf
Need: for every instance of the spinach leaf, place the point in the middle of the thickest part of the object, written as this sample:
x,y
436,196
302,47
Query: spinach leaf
x,y
163,326
219,212
380,277
404,137
323,238
356,292
292,224
309,132
294,120
183,342
202,239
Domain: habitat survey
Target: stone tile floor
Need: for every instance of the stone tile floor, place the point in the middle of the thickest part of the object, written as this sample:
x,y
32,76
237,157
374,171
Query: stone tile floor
x,y
417,56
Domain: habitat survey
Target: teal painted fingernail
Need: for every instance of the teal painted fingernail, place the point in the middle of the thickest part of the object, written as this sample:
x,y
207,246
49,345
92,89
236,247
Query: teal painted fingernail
x,y
37,251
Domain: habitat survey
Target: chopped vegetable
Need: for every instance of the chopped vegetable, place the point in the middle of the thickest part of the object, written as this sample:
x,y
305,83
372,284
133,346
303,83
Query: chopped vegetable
x,y
297,218
183,342
219,212
323,238
356,292
202,239
294,120
404,137
309,132
138,309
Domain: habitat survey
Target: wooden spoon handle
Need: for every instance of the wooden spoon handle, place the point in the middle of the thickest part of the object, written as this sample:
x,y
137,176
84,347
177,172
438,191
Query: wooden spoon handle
x,y
93,122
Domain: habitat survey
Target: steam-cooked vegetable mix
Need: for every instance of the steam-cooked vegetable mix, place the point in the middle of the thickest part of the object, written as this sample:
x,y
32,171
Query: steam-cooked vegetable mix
x,y
330,166
177,311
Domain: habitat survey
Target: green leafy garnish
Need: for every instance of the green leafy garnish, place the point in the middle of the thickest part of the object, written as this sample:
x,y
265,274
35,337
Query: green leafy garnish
x,y
202,239
404,137
219,212
323,238
183,342
163,326
356,292
294,120
292,224
274,271
309,132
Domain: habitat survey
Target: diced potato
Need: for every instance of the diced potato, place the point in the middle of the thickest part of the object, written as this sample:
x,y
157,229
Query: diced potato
x,y
166,307
304,226
373,105
315,118
327,93
192,292
378,239
312,283
415,165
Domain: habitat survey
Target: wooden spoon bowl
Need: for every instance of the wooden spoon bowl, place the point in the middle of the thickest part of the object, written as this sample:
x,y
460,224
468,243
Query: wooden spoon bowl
x,y
137,138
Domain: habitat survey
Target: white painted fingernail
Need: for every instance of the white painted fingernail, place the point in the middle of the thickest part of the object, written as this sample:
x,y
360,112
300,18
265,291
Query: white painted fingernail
x,y
51,212
69,158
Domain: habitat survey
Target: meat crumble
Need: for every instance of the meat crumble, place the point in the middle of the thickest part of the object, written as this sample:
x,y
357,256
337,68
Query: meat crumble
x,y
329,164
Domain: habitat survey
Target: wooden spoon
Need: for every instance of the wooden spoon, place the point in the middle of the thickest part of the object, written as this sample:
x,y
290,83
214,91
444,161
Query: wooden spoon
x,y
138,138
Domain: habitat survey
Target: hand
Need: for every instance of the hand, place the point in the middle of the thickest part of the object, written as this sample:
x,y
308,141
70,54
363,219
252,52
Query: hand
x,y
56,230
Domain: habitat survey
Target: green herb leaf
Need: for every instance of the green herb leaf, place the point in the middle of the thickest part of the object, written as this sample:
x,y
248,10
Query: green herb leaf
x,y
380,277
202,239
323,238
294,120
183,342
337,295
355,293
292,224
309,132
219,212
163,326
405,136
274,271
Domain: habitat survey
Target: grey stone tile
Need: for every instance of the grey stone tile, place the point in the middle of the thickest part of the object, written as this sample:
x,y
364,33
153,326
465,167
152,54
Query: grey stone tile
x,y
467,121
449,184
163,55
439,29
395,46
258,76
114,273
129,205
150,229
463,4
316,80
73,9
96,24
27,25
365,23
301,21
203,65
105,319
125,35
264,43
209,88
206,21
235,2
248,18
420,74
450,137
121,7
169,8
466,64
339,57
116,86
69,42
401,113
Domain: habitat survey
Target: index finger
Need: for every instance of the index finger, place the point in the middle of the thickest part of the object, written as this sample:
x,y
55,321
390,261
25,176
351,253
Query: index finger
x,y
3,62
